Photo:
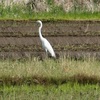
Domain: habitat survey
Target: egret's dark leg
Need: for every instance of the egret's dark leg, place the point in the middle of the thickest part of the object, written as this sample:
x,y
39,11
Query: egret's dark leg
x,y
46,53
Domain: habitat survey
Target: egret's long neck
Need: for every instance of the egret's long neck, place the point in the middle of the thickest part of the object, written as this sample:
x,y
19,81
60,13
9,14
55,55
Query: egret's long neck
x,y
40,34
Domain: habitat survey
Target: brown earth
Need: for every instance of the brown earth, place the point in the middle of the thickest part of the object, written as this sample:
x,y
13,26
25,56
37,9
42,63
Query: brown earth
x,y
77,39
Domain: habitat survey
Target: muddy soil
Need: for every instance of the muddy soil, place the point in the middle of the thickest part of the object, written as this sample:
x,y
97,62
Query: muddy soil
x,y
77,39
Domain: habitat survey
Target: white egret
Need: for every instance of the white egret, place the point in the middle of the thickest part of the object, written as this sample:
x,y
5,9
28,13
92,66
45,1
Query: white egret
x,y
45,43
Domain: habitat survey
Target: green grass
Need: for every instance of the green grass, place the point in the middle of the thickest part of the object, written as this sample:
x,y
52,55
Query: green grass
x,y
49,71
19,13
50,79
53,92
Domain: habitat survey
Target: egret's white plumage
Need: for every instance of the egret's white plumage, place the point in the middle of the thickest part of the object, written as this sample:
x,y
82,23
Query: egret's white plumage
x,y
45,43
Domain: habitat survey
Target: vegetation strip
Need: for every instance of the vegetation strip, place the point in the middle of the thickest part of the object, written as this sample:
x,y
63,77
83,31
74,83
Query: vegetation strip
x,y
49,71
79,78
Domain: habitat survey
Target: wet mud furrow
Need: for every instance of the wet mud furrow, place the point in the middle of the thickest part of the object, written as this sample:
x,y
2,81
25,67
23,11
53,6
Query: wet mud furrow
x,y
50,28
77,39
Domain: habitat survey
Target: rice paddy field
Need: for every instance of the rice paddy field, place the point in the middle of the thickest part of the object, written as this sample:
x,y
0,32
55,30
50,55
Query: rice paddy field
x,y
74,75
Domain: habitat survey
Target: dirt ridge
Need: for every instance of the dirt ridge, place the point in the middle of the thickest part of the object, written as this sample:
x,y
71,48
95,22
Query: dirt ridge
x,y
69,35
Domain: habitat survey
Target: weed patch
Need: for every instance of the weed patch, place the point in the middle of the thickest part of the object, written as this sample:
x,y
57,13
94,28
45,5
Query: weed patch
x,y
49,71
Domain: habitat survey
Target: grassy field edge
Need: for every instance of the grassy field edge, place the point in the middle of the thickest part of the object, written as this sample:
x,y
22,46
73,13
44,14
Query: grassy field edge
x,y
49,71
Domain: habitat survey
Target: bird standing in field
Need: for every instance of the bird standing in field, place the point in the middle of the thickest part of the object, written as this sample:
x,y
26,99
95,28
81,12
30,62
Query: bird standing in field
x,y
45,43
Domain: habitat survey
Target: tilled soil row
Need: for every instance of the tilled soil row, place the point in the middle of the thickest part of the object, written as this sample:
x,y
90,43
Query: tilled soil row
x,y
20,28
77,39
